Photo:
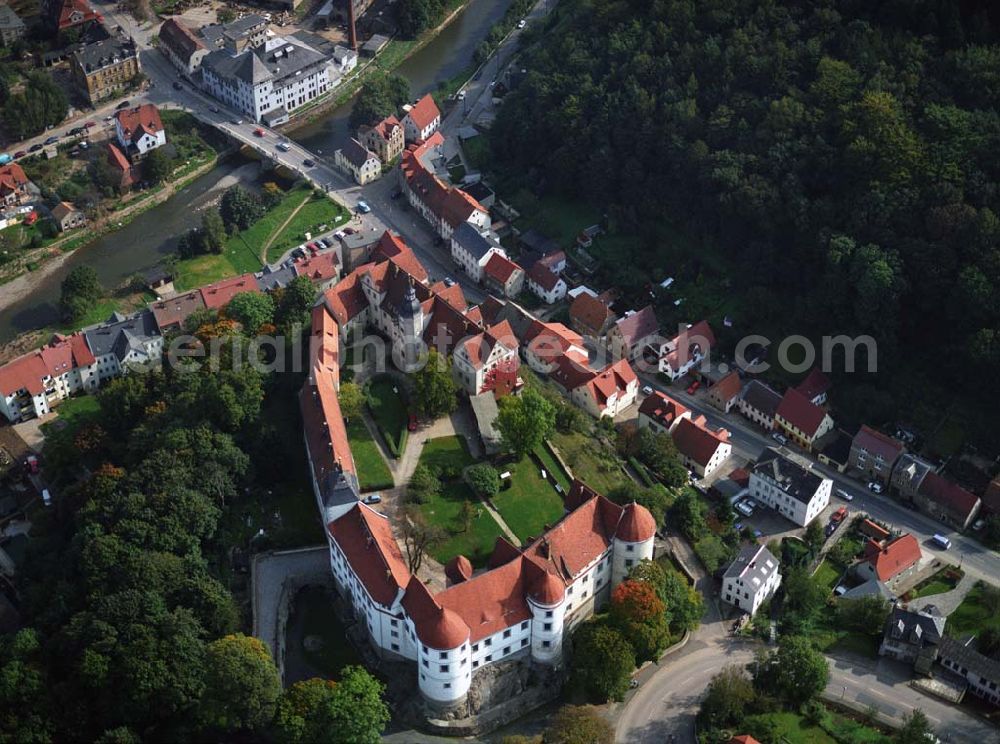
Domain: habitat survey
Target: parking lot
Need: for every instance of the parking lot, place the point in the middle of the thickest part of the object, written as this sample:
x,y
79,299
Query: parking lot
x,y
772,525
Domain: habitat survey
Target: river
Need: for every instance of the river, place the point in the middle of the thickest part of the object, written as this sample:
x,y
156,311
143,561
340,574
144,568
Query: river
x,y
141,244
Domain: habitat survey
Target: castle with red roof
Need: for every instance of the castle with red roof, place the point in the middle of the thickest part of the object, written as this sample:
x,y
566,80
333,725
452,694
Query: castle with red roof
x,y
528,597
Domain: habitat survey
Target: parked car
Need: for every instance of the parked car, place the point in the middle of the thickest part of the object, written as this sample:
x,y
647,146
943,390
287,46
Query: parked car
x,y
449,282
90,125
20,154
52,140
177,85
779,438
123,105
839,515
845,495
411,425
77,130
31,464
373,499
744,508
363,207
941,541
340,235
35,147
308,162
876,487
46,497
327,243
237,122
647,390
693,387
258,132
522,23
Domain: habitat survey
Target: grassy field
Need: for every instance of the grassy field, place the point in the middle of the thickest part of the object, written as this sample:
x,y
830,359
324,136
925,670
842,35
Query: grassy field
x,y
943,581
791,728
443,510
74,412
827,575
319,210
589,461
373,473
388,409
556,217
978,611
192,273
553,467
530,503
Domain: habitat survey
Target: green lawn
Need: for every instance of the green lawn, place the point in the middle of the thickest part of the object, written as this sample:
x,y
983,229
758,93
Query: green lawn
x,y
373,473
319,210
99,313
590,462
192,273
975,614
74,412
943,581
790,728
449,455
388,409
553,467
530,502
827,575
557,217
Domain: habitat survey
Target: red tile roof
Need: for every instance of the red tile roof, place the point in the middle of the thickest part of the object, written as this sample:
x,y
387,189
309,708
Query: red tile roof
x,y
636,525
687,342
324,348
396,250
56,358
180,38
458,569
135,122
662,409
637,326
991,496
385,128
696,441
319,268
437,626
448,203
728,387
614,378
878,443
800,412
346,300
218,294
366,539
873,530
69,7
814,384
743,739
543,276
894,558
12,178
174,311
500,269
589,312
118,160
424,112
549,341
490,601
959,502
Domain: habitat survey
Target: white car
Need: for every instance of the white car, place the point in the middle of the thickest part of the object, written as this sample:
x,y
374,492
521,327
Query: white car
x,y
779,438
744,508
876,487
522,23
647,390
845,495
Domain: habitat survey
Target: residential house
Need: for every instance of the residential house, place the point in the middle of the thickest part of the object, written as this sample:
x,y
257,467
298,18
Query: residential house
x,y
629,336
726,392
472,248
981,672
751,579
535,246
181,46
270,278
105,68
759,404
477,360
742,739
991,498
946,501
661,413
34,383
244,33
15,187
545,283
815,387
876,532
67,216
545,343
590,316
63,15
139,130
873,454
834,449
360,162
444,207
908,474
322,269
12,28
123,342
356,249
681,354
889,561
502,275
268,78
801,420
913,636
702,450
345,59
385,139
171,313
604,393
121,167
788,488
422,119
218,294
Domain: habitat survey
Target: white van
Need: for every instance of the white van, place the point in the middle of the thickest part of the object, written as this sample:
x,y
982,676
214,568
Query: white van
x,y
942,542
46,497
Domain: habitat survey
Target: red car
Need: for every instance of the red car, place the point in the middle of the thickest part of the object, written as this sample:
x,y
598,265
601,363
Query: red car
x,y
258,132
90,125
20,154
412,423
693,387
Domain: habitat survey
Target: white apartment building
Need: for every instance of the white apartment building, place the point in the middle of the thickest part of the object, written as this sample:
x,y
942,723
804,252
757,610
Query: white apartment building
x,y
472,247
788,488
751,579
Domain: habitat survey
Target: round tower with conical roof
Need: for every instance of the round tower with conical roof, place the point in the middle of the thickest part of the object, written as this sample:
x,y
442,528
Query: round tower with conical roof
x,y
547,602
633,541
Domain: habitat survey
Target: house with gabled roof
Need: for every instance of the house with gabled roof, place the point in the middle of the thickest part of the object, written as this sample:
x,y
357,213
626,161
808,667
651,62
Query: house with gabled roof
x,y
361,163
181,46
661,413
15,186
544,344
726,392
33,384
322,270
801,420
874,454
472,248
795,492
590,315
702,450
139,130
502,275
385,138
759,403
751,579
889,561
913,636
607,392
946,501
479,358
630,335
546,283
687,349
815,386
421,120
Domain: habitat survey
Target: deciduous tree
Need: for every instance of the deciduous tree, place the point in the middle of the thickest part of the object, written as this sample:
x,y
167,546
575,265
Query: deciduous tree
x,y
603,661
351,399
727,700
81,289
524,421
484,479
436,390
241,684
579,724
795,672
251,310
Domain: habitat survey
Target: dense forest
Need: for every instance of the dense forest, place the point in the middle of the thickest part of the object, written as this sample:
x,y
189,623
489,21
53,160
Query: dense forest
x,y
131,630
835,163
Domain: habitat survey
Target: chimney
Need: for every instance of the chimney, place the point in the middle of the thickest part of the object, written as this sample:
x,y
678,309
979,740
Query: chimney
x,y
352,30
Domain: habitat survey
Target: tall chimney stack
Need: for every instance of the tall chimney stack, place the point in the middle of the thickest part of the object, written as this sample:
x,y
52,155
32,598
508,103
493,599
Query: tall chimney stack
x,y
352,30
